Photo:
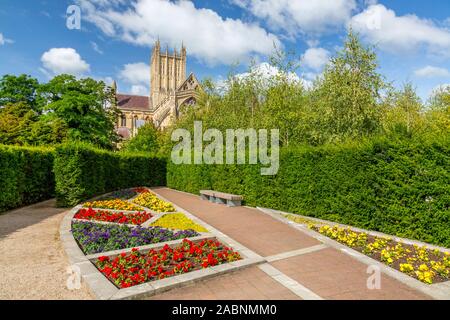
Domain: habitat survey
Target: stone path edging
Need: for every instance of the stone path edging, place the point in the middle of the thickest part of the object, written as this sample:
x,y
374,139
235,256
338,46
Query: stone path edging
x,y
294,253
440,291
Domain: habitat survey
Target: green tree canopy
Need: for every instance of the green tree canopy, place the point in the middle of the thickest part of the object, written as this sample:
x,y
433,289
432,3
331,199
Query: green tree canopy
x,y
85,107
23,88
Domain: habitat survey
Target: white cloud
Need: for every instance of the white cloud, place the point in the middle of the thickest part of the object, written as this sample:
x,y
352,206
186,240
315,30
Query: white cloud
x,y
402,34
206,34
96,48
266,71
138,76
432,72
305,16
64,60
106,79
136,73
139,90
315,58
4,40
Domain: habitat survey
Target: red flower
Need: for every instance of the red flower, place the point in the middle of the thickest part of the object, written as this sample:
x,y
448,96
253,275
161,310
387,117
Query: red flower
x,y
132,269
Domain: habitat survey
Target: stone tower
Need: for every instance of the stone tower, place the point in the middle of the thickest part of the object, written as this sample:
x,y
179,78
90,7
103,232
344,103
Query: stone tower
x,y
167,73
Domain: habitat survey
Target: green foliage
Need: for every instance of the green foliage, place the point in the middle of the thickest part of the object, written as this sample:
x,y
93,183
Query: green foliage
x,y
438,116
346,97
397,187
82,171
23,88
146,140
26,176
62,109
16,121
403,113
85,107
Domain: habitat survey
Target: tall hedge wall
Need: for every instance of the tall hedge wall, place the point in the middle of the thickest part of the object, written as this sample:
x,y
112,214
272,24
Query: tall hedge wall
x,y
82,171
26,176
400,188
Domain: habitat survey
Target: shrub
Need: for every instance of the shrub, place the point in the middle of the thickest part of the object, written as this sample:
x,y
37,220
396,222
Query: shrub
x,y
396,187
26,176
82,171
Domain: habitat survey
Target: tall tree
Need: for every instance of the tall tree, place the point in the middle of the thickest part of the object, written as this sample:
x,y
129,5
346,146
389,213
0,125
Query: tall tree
x,y
346,96
85,106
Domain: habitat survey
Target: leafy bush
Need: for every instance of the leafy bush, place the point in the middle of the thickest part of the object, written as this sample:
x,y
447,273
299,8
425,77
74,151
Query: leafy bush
x,y
82,171
26,176
396,187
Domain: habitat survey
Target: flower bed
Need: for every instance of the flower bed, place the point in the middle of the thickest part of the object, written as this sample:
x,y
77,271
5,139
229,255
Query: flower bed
x,y
135,268
426,265
178,221
137,218
95,238
114,204
151,201
121,194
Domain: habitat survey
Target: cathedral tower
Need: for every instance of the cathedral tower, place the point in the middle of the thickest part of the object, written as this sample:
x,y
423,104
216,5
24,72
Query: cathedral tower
x,y
167,73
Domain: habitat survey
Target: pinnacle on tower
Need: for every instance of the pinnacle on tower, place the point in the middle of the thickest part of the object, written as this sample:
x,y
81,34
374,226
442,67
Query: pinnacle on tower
x,y
157,46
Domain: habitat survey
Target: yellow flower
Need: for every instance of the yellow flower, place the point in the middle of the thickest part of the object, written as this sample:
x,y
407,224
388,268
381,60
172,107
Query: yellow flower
x,y
114,204
425,276
178,221
151,201
406,267
423,267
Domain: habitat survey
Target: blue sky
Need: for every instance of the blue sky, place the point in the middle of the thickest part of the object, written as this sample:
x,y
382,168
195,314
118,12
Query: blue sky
x,y
412,36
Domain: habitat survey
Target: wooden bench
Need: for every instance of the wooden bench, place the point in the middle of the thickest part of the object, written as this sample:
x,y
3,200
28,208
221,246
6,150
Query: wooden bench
x,y
230,200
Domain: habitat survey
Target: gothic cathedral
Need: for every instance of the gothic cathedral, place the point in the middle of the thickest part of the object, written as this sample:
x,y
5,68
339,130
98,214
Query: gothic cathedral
x,y
170,89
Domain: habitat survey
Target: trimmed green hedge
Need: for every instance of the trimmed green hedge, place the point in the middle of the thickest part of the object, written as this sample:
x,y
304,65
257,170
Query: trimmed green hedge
x,y
400,188
81,172
26,176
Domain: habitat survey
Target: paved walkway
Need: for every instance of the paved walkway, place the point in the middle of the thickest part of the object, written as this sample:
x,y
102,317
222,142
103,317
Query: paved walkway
x,y
300,266
32,261
33,264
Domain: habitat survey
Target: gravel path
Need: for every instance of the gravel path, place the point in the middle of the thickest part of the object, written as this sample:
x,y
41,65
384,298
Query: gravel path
x,y
33,264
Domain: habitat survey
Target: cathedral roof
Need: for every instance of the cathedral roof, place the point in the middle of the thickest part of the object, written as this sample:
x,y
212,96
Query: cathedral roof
x,y
132,102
